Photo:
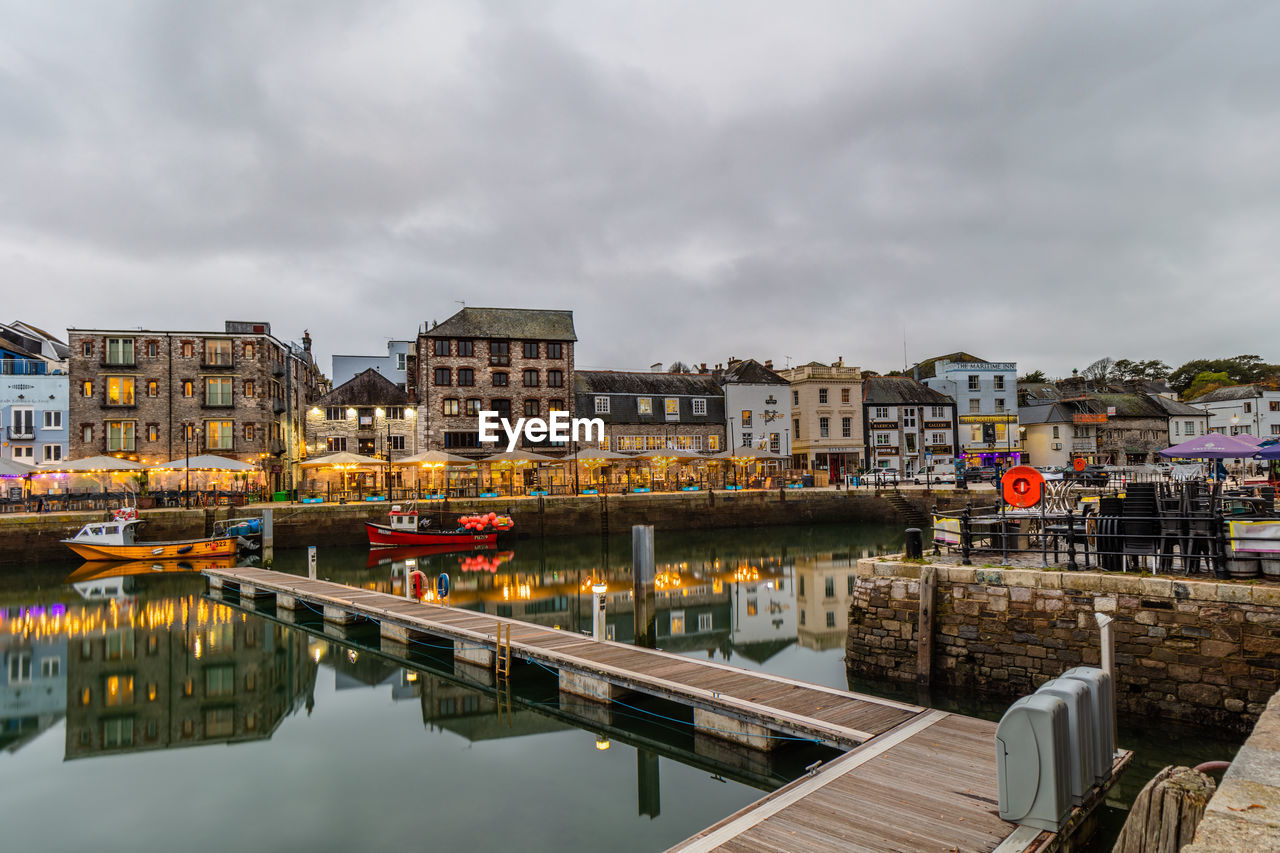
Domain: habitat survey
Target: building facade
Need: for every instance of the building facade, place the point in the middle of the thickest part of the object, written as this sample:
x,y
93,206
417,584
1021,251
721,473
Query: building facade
x,y
756,406
908,425
653,411
33,395
393,365
825,432
986,398
152,395
1242,409
517,362
367,415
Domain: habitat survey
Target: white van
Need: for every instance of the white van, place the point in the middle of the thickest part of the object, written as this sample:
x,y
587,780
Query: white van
x,y
941,473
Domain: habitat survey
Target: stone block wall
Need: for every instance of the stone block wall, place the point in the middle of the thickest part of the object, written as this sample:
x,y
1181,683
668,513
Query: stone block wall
x,y
1187,649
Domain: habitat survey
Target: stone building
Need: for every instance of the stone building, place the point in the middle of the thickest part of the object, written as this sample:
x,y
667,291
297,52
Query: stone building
x,y
826,417
653,411
368,415
517,362
33,395
241,393
756,407
908,425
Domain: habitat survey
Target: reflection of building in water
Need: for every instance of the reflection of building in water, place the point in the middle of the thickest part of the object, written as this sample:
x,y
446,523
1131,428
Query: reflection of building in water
x,y
823,591
33,686
477,716
764,617
160,679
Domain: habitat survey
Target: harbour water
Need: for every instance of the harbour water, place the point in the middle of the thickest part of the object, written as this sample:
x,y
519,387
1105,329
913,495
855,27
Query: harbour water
x,y
139,715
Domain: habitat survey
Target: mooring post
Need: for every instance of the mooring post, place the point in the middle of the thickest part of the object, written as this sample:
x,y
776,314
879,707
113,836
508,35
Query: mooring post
x,y
1071,541
311,562
642,578
598,631
966,535
268,538
1108,640
924,626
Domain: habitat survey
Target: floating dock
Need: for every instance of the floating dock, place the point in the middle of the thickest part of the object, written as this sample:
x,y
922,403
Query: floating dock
x,y
914,778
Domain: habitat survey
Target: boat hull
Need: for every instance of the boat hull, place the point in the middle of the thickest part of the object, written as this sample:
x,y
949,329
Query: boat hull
x,y
182,550
382,536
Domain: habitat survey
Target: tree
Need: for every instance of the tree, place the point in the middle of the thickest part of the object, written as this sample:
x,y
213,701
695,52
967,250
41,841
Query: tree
x,y
1035,376
1240,370
1100,371
1206,382
679,367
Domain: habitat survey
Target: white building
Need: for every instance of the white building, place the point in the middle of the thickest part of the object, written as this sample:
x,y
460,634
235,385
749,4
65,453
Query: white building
x,y
756,406
391,365
1242,409
986,395
33,395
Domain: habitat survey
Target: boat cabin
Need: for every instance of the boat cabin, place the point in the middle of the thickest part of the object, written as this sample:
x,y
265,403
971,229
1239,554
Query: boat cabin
x,y
406,520
109,532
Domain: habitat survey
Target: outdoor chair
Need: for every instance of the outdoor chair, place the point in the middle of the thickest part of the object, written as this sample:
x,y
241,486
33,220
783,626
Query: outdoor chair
x,y
1140,527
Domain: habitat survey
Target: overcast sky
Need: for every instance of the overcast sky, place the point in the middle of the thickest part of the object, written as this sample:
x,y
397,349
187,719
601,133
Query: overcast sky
x,y
1039,182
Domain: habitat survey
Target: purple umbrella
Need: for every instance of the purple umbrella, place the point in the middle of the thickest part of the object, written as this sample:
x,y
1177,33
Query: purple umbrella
x,y
1211,446
1271,451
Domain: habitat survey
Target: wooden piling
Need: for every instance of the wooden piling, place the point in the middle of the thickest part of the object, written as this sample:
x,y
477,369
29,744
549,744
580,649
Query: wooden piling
x,y
924,626
1166,813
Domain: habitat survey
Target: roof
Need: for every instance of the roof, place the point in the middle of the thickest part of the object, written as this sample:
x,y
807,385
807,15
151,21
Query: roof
x,y
1126,405
895,390
752,372
1173,407
1045,413
517,323
925,369
1231,392
1039,390
369,388
655,384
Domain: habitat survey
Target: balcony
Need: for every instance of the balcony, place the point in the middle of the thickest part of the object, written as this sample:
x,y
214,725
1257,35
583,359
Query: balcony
x,y
21,433
217,362
117,363
22,367
277,406
277,369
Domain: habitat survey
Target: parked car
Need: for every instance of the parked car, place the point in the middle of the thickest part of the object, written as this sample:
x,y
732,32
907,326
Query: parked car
x,y
1092,475
980,474
882,475
1050,473
942,473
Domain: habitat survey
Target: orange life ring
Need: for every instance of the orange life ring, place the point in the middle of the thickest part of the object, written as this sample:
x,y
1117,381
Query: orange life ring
x,y
1022,486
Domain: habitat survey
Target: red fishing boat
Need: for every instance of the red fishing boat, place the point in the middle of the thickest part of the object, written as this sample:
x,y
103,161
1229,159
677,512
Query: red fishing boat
x,y
406,528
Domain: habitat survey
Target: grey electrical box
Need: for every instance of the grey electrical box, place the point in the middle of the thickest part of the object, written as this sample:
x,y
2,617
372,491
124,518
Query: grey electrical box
x,y
1104,741
1080,729
1032,762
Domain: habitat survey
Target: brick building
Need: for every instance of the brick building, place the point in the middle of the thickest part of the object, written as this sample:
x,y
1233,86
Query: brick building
x,y
241,393
517,362
652,411
369,415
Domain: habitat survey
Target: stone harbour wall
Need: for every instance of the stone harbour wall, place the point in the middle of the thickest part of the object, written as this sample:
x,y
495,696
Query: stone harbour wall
x,y
1185,649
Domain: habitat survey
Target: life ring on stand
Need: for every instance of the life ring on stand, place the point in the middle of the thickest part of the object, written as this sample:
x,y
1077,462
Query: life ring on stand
x,y
416,581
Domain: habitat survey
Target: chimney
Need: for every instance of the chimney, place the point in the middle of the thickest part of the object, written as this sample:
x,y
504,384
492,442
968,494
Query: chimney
x,y
839,362
702,368
656,367
306,341
1072,387
768,364
734,362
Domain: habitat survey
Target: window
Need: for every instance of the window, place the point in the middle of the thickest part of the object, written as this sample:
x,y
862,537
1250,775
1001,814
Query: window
x,y
530,349
250,351
400,360
188,388
844,395
86,434
337,443
219,722
119,690
555,350
1275,429
153,388
473,406
117,732
704,622
24,423
699,406
502,408
466,348
908,417
795,398
677,622
217,353
50,667
217,391
795,428
937,412
249,388
249,432
713,442
188,349
672,408
1055,431
1274,406
397,442
999,404
19,667
975,407
802,618
882,439
531,379
556,406
499,353
999,380
555,378
824,427
53,420
602,405
443,376
938,439
822,396
831,618
86,388
119,351
24,454
775,442
451,407
440,348
746,439
395,413
846,427
335,413
973,383
119,390
829,587
530,408
882,413
86,349
466,376
1248,407
220,681
120,435
52,452
746,418
644,405
910,441
500,380
218,435
153,432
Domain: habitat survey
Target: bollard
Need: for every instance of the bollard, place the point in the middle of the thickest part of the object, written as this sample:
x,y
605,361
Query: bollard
x,y
642,579
915,544
268,538
598,631
311,562
1108,660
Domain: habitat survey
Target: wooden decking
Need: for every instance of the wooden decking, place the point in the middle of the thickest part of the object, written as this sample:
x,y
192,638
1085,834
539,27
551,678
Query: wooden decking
x,y
793,708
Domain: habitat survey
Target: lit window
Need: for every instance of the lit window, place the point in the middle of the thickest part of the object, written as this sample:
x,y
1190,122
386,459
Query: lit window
x,y
217,391
120,435
217,353
644,405
86,388
218,435
119,390
451,407
672,407
119,690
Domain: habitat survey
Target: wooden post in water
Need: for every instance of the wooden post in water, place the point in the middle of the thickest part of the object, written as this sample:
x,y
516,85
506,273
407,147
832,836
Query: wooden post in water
x,y
268,538
1166,813
642,579
924,626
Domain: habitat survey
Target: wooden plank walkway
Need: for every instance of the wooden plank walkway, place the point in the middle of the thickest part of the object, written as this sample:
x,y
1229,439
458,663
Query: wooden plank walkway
x,y
793,708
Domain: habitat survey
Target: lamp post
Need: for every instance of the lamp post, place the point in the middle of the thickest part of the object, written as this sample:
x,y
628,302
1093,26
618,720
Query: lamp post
x,y
188,429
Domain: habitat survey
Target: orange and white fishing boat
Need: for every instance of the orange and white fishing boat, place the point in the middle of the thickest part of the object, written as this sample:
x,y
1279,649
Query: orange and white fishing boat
x,y
116,540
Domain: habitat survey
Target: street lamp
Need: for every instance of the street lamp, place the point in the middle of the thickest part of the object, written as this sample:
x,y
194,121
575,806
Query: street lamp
x,y
188,429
